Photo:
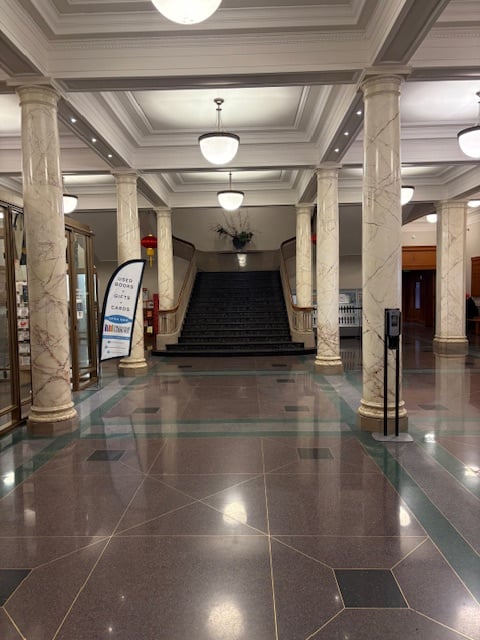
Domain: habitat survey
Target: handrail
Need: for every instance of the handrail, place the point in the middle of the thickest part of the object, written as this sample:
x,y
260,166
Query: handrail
x,y
170,321
300,319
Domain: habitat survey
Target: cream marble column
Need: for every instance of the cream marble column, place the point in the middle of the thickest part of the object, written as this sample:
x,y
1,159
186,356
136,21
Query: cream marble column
x,y
52,409
166,282
128,248
450,318
328,359
381,246
303,257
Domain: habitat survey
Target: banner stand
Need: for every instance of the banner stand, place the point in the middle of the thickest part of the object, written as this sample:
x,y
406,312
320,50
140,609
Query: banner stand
x,y
119,310
393,323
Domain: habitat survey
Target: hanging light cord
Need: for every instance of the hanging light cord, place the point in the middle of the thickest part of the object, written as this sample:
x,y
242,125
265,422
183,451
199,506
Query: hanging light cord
x,y
219,102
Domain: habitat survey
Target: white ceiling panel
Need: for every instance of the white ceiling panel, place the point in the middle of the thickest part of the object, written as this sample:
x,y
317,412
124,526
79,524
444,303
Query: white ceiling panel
x,y
254,108
289,72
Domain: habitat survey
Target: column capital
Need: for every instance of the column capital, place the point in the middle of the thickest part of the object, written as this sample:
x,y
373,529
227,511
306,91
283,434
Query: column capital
x,y
162,211
325,166
304,205
446,204
41,93
386,71
124,174
376,83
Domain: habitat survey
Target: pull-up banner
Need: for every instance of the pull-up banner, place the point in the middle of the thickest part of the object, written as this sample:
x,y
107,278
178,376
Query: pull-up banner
x,y
119,308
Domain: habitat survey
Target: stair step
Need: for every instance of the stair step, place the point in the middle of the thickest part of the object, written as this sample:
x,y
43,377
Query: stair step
x,y
237,339
236,314
238,346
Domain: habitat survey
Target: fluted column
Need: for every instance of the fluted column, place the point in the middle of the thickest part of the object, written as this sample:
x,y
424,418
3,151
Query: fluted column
x,y
166,282
450,318
52,409
381,246
328,359
303,258
128,248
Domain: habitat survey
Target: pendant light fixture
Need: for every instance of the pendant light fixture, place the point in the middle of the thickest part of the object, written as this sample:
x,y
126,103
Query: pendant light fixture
x,y
406,194
219,147
230,199
187,11
469,139
69,202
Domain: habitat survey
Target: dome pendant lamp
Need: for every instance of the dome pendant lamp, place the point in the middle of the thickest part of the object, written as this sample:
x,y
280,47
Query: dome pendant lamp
x,y
469,139
187,11
69,203
230,199
219,147
406,194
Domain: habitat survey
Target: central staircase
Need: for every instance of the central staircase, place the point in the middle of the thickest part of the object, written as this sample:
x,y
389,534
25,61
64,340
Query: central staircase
x,y
233,313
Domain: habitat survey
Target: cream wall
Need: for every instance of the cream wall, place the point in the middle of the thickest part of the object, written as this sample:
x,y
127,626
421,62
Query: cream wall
x,y
150,278
270,226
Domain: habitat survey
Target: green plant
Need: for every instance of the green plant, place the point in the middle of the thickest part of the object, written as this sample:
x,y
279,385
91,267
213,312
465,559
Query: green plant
x,y
239,231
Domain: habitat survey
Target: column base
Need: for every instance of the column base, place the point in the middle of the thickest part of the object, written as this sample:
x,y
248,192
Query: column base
x,y
328,367
370,418
132,369
450,346
52,422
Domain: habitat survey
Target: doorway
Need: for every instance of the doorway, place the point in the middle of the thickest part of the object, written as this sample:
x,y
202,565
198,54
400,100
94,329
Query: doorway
x,y
418,293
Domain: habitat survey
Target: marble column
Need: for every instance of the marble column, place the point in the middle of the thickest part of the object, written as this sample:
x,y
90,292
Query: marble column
x,y
166,282
303,257
450,313
381,247
52,409
328,359
128,248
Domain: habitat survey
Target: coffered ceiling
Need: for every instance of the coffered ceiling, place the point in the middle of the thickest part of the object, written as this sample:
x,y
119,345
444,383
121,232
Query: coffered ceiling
x,y
289,73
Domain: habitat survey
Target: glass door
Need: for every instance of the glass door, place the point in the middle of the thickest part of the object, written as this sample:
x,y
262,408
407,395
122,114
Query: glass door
x,y
82,302
15,372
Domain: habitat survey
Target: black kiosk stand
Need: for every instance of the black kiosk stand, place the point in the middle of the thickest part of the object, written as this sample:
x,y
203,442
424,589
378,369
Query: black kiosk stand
x,y
393,323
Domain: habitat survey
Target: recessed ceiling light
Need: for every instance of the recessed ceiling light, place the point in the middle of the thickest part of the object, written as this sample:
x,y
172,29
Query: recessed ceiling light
x,y
337,150
346,133
94,139
110,155
473,204
73,120
359,112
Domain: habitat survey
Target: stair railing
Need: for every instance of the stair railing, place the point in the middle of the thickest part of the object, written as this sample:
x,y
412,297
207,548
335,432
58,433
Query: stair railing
x,y
299,318
170,321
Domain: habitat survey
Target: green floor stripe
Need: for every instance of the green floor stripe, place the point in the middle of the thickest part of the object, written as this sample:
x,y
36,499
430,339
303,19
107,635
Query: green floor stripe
x,y
464,560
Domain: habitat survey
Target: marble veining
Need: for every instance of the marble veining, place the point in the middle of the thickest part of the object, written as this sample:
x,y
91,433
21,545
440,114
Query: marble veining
x,y
450,298
128,248
46,264
381,237
304,257
327,254
166,280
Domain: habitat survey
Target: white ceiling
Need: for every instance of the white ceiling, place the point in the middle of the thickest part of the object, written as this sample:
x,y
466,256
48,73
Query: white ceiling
x,y
289,73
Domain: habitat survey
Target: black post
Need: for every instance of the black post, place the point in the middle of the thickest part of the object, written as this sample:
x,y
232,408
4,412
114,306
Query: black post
x,y
385,379
397,388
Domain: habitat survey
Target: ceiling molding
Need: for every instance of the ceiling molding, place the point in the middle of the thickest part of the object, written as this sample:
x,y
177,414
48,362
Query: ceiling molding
x,y
410,29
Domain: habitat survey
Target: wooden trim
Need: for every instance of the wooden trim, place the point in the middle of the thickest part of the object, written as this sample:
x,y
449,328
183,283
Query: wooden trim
x,y
475,280
421,258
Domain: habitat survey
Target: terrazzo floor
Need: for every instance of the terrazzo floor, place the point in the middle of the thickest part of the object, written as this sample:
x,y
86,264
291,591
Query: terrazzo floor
x,y
235,499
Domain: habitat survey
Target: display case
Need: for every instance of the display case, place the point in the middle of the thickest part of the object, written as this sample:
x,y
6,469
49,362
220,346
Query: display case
x,y
23,324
